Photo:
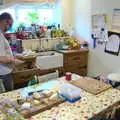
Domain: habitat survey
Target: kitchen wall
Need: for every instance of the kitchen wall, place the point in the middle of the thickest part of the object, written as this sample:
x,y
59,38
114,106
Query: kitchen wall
x,y
82,19
67,7
57,12
99,61
78,14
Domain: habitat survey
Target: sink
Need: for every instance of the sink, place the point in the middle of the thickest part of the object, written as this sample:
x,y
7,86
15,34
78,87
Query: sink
x,y
48,53
49,59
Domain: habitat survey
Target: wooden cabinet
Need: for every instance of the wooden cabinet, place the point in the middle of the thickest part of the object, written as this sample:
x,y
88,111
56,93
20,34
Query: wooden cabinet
x,y
75,61
25,72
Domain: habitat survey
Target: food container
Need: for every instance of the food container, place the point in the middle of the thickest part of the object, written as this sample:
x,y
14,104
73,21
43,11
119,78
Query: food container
x,y
70,92
114,79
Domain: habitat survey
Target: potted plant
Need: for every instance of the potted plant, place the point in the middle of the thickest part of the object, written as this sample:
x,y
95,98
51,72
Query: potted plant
x,y
33,17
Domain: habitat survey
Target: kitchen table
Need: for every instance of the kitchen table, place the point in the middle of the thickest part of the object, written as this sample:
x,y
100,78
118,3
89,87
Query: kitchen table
x,y
87,107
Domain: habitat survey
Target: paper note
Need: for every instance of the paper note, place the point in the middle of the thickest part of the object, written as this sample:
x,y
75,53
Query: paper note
x,y
99,20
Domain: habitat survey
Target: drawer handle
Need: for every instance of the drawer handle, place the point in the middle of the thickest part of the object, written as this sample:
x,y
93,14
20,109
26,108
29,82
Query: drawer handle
x,y
76,58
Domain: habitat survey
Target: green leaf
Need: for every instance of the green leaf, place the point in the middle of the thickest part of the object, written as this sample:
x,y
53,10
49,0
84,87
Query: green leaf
x,y
33,17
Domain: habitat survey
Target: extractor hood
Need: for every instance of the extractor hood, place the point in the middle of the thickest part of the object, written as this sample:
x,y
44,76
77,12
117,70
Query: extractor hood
x,y
36,1
9,3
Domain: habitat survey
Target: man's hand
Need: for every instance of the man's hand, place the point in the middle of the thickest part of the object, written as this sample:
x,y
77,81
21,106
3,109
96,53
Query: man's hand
x,y
19,57
18,62
10,60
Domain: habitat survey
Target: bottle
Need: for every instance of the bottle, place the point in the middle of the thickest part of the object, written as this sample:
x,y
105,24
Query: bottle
x,y
53,31
48,32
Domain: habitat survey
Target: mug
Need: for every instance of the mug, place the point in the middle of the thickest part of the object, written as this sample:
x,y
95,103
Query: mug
x,y
68,76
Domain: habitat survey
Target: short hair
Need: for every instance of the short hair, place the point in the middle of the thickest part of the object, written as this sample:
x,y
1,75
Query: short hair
x,y
5,16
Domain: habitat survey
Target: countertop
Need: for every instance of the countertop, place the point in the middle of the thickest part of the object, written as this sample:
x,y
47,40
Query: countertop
x,y
73,51
84,109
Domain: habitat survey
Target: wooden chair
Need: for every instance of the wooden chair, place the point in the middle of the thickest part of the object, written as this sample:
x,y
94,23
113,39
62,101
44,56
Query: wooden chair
x,y
114,114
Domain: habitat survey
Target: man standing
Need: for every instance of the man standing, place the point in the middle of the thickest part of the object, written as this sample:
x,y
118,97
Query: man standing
x,y
7,61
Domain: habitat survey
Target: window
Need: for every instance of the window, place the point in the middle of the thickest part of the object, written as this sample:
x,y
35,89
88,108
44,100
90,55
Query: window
x,y
46,16
26,15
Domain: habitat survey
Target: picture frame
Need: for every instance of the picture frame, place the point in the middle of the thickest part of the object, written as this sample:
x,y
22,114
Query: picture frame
x,y
99,20
113,45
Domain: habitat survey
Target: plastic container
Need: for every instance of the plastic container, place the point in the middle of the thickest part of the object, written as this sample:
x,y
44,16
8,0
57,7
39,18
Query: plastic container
x,y
70,92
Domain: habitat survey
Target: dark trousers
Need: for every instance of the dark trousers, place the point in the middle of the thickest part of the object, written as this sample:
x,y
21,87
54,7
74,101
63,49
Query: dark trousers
x,y
7,82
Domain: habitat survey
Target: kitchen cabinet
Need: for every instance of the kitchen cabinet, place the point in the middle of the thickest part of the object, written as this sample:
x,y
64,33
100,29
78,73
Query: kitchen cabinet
x,y
75,61
24,72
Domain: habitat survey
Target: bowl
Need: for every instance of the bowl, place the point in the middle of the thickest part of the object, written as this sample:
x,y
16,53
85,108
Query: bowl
x,y
114,79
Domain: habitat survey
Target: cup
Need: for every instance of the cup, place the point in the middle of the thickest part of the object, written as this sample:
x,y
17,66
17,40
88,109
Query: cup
x,y
68,76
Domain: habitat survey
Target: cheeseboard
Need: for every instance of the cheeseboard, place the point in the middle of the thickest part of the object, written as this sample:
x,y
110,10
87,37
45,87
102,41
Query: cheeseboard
x,y
91,85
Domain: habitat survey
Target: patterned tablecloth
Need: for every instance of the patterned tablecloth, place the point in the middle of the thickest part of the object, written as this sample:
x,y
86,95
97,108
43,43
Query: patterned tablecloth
x,y
87,107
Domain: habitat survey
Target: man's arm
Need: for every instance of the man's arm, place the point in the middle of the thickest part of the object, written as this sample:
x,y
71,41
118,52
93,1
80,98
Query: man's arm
x,y
6,60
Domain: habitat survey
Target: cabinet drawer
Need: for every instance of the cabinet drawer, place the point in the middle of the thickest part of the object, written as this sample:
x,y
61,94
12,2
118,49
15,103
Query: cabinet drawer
x,y
24,75
76,60
77,70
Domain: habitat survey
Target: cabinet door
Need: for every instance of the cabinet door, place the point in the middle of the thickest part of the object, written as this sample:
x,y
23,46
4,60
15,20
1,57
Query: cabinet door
x,y
77,70
79,60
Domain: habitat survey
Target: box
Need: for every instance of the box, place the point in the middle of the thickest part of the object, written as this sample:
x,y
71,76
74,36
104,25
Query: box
x,y
70,92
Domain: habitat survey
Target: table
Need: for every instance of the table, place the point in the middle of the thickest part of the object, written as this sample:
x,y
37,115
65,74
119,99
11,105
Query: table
x,y
84,109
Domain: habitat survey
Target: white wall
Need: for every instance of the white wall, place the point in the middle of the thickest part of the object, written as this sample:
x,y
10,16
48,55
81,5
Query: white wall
x,y
57,12
76,14
99,61
67,14
82,19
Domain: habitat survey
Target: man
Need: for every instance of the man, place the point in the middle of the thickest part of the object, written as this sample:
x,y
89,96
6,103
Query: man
x,y
7,61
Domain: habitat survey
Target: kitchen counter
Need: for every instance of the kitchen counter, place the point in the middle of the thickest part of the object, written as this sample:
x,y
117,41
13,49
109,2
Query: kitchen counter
x,y
75,61
84,109
73,51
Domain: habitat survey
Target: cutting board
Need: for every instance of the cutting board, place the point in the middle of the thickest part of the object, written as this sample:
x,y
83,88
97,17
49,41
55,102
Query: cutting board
x,y
42,107
91,85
